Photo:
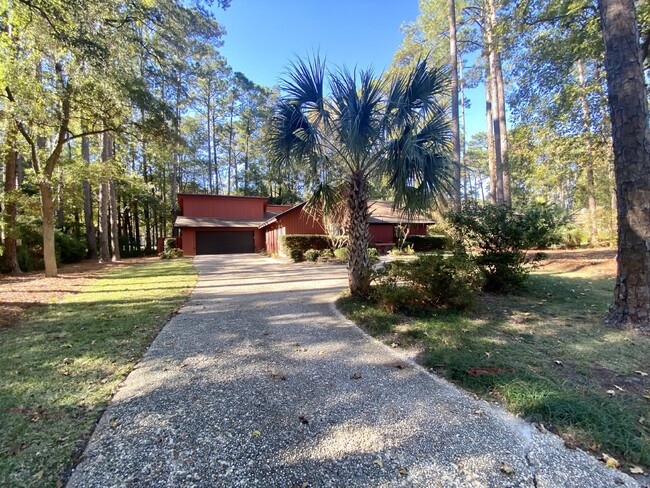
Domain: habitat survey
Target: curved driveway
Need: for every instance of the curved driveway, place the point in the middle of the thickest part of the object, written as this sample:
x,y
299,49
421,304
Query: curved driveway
x,y
258,381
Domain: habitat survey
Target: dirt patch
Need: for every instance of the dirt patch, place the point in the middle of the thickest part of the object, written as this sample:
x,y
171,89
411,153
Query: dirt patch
x,y
598,262
18,293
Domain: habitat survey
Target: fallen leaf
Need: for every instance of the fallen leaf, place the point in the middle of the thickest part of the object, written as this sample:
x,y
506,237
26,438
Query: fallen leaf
x,y
394,345
642,420
403,471
610,462
67,361
256,433
507,469
618,388
636,470
378,463
611,392
355,376
479,412
642,373
647,396
558,362
113,423
39,475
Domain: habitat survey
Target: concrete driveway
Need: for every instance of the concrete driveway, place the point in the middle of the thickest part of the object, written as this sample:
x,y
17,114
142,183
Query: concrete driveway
x,y
258,381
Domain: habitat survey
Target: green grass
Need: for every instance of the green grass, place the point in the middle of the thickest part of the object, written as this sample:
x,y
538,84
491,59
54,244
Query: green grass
x,y
544,354
61,364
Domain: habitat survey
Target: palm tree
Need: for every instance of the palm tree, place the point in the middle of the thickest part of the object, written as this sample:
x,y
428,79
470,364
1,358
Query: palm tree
x,y
364,130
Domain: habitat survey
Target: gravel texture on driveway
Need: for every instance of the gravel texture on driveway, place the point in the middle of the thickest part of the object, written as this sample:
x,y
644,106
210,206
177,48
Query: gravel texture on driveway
x,y
259,381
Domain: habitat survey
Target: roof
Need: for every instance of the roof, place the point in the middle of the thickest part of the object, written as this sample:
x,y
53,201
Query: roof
x,y
210,222
381,212
275,218
219,196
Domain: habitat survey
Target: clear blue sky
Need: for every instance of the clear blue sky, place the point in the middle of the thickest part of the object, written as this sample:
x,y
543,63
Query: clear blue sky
x,y
264,36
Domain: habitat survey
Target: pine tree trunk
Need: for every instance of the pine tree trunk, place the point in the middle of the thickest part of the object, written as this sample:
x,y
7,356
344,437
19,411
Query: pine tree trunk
x,y
91,238
455,122
629,115
115,235
10,211
358,236
503,130
104,203
589,163
490,140
47,214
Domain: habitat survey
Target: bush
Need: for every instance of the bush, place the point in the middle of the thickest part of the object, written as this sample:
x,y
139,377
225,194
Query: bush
x,y
430,281
69,249
573,237
312,255
373,254
429,243
304,242
297,255
172,253
170,243
502,237
342,254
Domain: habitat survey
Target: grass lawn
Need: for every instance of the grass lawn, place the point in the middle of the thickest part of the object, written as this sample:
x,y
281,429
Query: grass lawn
x,y
61,363
544,354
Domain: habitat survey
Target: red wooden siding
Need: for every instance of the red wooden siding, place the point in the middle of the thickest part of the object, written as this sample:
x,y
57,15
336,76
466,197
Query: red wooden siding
x,y
222,206
418,229
189,237
300,223
272,236
382,233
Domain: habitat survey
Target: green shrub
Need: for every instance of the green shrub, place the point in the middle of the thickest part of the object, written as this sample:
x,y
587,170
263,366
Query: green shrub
x,y
170,243
430,281
373,254
429,243
342,254
573,237
304,242
312,255
326,253
297,255
502,237
172,253
69,249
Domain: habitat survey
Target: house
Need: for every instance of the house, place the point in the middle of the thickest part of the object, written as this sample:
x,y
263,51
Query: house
x,y
224,224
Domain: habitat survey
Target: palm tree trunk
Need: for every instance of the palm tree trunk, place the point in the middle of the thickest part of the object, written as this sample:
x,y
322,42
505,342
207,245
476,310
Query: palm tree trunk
x,y
629,115
358,236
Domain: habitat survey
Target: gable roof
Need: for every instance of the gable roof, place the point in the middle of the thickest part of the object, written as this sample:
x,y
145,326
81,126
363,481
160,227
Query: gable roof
x,y
381,212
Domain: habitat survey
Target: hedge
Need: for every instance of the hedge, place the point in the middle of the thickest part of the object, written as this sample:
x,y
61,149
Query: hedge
x,y
304,242
428,243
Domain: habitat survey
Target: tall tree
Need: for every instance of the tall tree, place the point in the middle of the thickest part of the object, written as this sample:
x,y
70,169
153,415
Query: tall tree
x,y
10,256
628,102
366,131
455,120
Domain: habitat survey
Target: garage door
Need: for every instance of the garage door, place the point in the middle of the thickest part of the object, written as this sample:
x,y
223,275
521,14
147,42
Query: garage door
x,y
224,242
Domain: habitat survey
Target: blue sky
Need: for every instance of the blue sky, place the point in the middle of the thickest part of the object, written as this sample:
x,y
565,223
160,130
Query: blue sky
x,y
264,36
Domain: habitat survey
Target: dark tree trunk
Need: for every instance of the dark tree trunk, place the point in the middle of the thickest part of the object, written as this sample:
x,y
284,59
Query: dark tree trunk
x,y
10,210
358,236
89,224
455,122
629,114
490,141
104,202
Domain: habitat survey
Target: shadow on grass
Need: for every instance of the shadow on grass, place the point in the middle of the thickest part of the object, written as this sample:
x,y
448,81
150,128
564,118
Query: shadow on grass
x,y
61,363
545,354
